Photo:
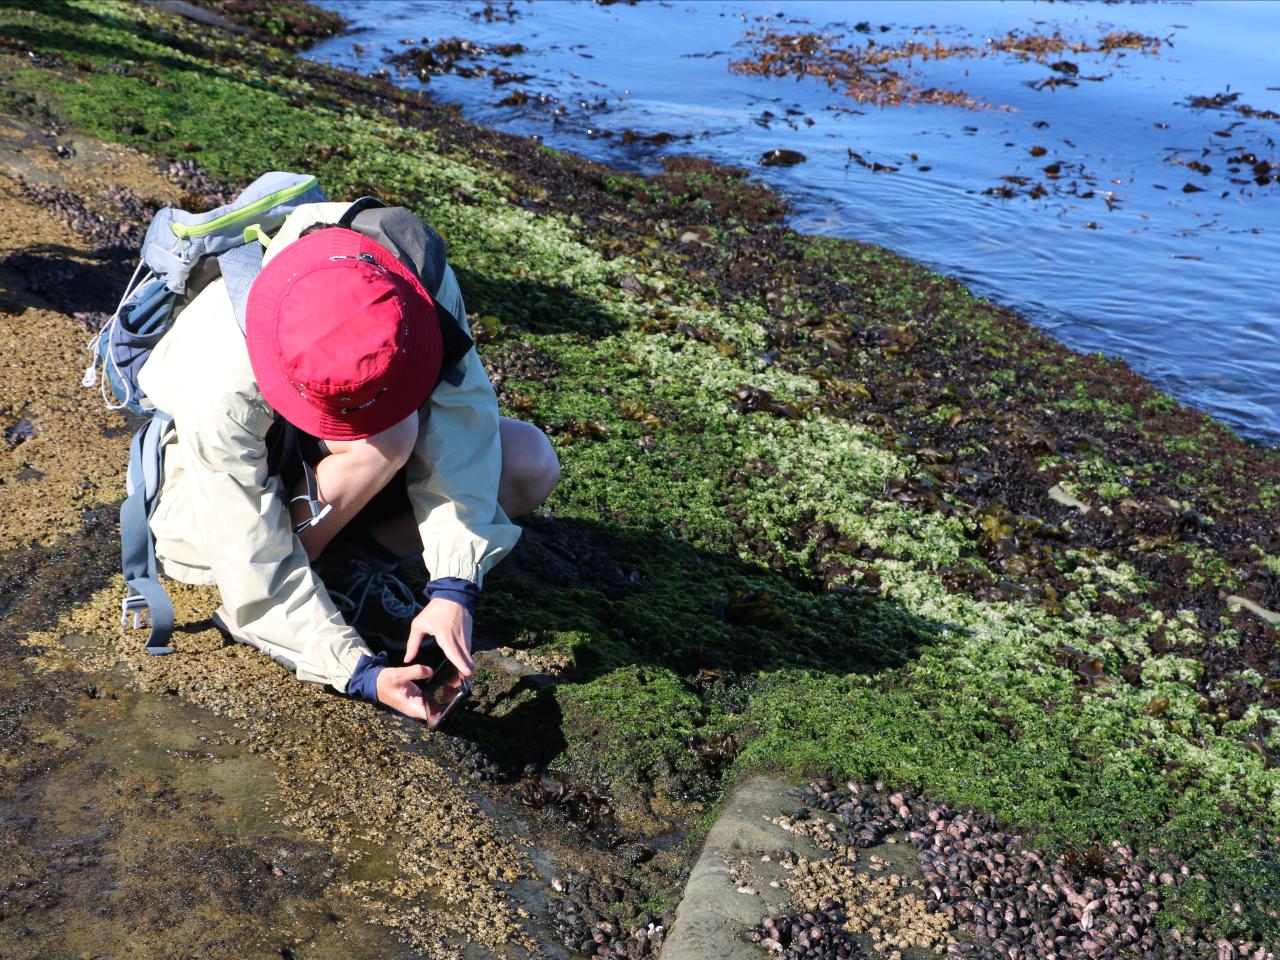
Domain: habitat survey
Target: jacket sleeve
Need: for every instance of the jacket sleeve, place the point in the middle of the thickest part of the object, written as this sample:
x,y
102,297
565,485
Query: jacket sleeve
x,y
457,463
268,587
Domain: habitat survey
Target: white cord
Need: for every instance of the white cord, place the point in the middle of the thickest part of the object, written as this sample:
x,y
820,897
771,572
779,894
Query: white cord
x,y
91,372
90,377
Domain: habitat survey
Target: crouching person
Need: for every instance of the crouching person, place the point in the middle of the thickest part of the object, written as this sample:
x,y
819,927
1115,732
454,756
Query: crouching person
x,y
351,425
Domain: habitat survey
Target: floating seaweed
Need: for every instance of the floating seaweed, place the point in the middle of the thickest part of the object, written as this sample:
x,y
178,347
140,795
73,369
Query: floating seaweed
x,y
657,139
453,55
863,72
782,158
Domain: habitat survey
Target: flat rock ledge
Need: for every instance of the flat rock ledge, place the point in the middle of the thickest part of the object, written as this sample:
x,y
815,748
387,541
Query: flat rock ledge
x,y
717,909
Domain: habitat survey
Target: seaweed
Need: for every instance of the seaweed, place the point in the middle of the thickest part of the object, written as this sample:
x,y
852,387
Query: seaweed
x,y
805,465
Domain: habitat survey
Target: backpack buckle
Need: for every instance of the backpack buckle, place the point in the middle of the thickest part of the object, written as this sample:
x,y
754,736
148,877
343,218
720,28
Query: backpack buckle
x,y
134,607
318,513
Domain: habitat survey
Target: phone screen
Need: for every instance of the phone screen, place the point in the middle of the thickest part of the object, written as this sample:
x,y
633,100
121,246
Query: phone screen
x,y
444,688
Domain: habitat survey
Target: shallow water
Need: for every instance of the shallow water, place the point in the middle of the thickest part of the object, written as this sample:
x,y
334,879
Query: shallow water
x,y
136,824
1178,283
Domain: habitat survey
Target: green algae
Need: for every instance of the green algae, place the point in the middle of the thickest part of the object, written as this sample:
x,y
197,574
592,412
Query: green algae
x,y
281,22
714,514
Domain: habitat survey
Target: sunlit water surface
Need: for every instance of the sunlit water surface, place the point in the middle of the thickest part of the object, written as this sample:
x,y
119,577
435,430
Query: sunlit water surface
x,y
1178,283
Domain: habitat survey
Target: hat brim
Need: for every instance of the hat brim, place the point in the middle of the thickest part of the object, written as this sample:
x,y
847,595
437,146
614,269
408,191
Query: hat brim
x,y
412,376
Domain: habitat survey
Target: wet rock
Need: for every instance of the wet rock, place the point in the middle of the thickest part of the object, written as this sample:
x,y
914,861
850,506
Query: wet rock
x,y
202,191
782,158
1088,901
581,917
18,433
118,233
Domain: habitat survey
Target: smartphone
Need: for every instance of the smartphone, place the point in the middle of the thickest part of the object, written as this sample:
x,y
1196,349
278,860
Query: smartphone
x,y
444,688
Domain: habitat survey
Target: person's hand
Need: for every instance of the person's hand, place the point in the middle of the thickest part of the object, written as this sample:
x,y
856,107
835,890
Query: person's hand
x,y
450,623
398,689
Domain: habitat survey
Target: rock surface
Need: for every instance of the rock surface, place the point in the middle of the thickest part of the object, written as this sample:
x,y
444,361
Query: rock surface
x,y
717,908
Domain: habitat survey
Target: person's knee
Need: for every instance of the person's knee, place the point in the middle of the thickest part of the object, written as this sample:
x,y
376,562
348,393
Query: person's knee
x,y
543,472
530,468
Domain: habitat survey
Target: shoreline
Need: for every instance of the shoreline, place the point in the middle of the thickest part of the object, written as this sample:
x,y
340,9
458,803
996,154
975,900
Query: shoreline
x,y
1087,287
899,521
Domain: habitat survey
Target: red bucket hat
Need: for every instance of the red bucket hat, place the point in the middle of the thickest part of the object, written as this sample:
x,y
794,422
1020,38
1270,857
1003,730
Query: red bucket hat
x,y
342,336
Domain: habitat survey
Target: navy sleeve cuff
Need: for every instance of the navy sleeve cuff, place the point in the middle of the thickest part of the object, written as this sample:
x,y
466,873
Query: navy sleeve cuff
x,y
364,680
456,589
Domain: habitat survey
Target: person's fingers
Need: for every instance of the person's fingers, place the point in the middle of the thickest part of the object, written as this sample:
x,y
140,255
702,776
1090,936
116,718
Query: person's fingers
x,y
397,689
411,706
414,703
407,699
464,647
414,671
416,632
455,648
454,683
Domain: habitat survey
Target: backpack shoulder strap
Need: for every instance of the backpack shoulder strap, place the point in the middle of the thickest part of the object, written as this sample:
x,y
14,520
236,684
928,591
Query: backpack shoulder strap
x,y
358,207
137,546
176,240
404,233
239,267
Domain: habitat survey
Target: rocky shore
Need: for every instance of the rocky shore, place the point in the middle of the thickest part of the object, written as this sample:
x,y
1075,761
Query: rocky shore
x,y
824,513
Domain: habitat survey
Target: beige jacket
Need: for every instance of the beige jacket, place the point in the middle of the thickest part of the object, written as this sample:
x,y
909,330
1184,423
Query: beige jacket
x,y
222,519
